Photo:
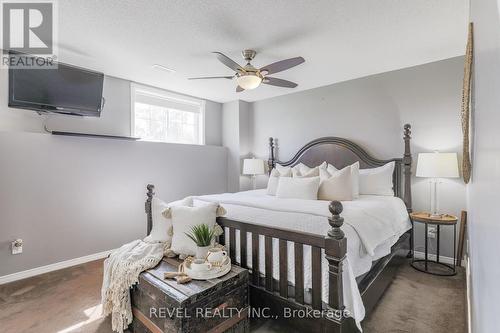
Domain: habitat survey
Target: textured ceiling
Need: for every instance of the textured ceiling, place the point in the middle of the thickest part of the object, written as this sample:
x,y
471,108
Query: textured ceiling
x,y
340,40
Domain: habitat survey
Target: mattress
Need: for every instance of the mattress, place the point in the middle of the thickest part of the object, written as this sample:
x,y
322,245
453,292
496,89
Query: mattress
x,y
372,224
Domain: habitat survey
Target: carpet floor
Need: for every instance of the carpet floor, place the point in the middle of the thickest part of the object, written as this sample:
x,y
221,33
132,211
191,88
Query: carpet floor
x,y
67,301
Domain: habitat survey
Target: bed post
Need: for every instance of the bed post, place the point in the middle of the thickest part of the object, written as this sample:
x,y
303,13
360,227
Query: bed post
x,y
407,160
148,205
335,251
271,160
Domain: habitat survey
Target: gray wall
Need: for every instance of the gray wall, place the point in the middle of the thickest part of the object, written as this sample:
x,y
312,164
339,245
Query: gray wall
x,y
484,194
231,140
114,120
69,197
371,111
236,137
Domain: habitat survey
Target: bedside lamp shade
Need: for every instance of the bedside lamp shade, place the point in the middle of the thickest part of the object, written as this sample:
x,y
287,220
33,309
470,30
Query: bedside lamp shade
x,y
437,165
253,166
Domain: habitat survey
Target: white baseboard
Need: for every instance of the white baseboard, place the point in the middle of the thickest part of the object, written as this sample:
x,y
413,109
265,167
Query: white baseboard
x,y
446,260
52,267
468,293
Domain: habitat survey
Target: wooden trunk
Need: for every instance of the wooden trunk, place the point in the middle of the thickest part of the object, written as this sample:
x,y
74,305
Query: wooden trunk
x,y
217,305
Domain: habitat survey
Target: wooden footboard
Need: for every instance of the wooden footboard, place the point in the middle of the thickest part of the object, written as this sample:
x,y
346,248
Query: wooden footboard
x,y
278,295
334,246
293,296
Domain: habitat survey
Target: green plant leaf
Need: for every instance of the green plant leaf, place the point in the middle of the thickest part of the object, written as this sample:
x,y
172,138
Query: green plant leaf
x,y
201,234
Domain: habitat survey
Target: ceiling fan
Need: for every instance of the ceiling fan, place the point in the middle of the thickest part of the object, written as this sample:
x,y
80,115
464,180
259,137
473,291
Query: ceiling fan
x,y
249,77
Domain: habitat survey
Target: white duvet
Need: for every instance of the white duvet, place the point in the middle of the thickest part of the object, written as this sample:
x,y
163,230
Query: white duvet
x,y
372,224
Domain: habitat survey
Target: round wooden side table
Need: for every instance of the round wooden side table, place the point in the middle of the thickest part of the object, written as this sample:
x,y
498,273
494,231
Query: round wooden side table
x,y
434,267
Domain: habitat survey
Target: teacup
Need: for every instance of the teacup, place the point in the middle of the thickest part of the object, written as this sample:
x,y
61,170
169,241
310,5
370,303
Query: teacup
x,y
216,254
200,265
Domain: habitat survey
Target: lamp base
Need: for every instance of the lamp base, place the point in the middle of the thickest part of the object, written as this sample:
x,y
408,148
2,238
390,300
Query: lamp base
x,y
254,182
435,216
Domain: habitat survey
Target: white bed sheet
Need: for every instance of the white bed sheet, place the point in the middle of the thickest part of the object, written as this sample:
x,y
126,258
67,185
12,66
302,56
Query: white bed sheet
x,y
363,247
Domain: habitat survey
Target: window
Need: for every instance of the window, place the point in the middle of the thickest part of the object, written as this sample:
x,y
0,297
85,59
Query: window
x,y
158,115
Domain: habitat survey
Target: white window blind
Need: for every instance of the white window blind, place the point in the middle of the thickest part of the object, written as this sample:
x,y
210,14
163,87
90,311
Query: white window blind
x,y
159,115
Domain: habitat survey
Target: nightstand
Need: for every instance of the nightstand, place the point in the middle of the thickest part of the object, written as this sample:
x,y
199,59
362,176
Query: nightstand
x,y
427,265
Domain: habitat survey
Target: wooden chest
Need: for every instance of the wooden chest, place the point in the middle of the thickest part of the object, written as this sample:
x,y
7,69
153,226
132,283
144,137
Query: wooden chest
x,y
217,305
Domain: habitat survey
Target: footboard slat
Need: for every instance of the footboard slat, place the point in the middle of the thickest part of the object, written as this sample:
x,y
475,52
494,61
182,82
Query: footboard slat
x,y
299,273
283,269
316,277
232,244
255,259
243,248
222,237
269,263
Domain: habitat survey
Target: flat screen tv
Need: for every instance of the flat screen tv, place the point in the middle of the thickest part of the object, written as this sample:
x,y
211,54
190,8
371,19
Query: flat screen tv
x,y
66,89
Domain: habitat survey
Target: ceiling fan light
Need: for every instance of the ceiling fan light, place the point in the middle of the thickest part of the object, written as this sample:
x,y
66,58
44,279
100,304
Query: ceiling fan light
x,y
249,81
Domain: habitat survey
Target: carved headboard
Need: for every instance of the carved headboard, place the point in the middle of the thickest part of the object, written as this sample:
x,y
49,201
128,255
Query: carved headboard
x,y
342,152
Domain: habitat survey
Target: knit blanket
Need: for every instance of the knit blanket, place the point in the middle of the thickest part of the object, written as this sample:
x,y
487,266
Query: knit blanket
x,y
121,272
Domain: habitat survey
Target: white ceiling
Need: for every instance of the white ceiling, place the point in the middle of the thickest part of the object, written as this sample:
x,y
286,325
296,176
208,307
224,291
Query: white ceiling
x,y
340,40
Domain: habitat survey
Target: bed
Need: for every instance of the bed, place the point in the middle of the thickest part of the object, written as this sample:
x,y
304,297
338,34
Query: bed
x,y
336,264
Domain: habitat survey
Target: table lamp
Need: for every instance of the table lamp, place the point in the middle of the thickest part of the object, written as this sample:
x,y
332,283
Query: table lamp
x,y
253,167
436,165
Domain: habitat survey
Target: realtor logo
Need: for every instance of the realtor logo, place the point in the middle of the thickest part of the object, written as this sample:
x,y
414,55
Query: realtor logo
x,y
28,28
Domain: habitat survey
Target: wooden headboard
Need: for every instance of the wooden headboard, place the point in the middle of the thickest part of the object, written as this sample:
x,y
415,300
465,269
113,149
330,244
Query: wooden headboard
x,y
343,152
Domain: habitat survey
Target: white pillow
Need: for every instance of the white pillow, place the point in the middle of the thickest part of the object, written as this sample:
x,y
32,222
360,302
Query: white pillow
x,y
313,172
324,175
161,224
355,177
284,171
377,181
184,219
298,188
302,170
272,184
338,186
276,173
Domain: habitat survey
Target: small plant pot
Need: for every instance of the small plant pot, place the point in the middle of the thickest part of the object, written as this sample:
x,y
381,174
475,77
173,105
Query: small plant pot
x,y
202,251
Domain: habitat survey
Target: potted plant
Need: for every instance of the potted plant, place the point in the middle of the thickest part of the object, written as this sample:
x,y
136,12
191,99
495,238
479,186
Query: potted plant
x,y
202,235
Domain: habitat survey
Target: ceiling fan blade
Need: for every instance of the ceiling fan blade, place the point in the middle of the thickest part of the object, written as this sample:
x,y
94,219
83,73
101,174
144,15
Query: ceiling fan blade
x,y
279,82
239,89
210,77
282,65
229,62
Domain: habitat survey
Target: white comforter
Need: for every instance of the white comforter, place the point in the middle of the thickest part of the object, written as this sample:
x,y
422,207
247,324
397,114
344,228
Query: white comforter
x,y
372,224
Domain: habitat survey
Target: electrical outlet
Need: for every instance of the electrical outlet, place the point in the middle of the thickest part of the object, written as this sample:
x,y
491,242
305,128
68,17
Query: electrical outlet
x,y
431,233
17,246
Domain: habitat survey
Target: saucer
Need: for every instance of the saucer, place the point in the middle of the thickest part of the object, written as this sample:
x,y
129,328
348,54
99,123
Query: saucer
x,y
212,273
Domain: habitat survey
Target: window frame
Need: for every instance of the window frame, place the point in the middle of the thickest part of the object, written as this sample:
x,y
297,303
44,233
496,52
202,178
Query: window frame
x,y
135,87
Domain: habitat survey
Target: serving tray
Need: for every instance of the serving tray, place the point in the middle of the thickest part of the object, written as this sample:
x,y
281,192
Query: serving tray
x,y
214,272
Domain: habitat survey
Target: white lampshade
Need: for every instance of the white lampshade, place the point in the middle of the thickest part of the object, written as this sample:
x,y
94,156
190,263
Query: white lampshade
x,y
437,165
253,166
249,81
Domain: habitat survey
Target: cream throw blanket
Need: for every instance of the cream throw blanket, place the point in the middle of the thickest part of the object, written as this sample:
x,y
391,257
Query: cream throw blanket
x,y
121,272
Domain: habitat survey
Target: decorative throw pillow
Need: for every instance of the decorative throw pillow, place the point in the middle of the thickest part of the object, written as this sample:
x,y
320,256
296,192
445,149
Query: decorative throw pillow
x,y
314,172
377,181
299,168
284,171
355,177
338,186
298,188
276,173
331,169
185,218
302,170
161,224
